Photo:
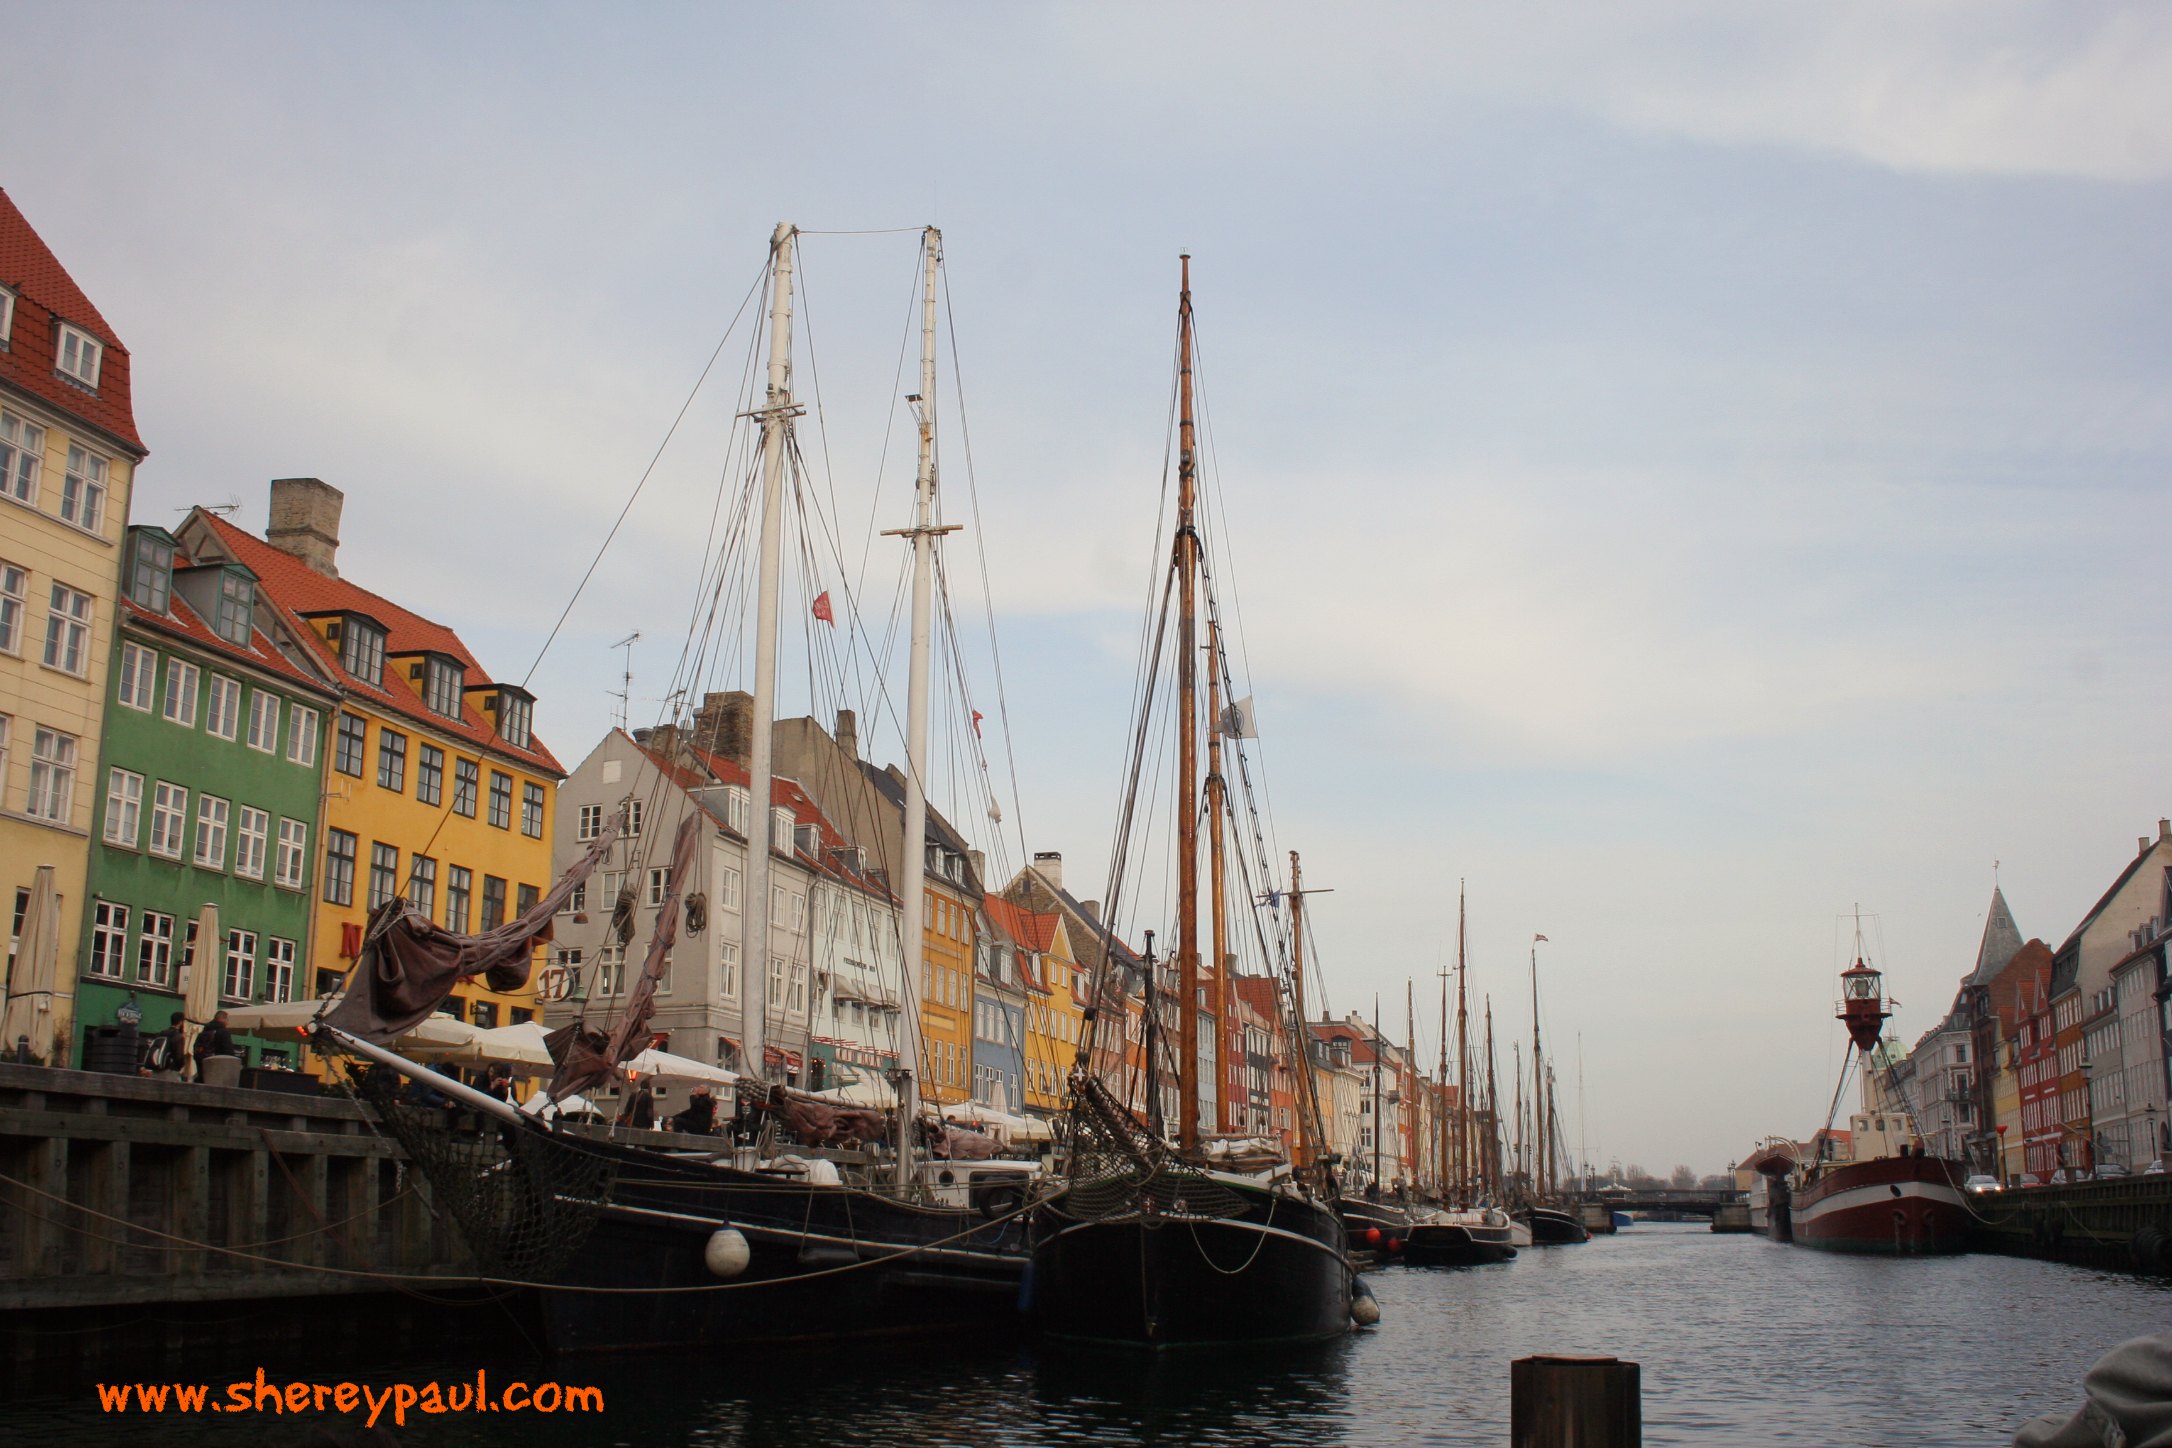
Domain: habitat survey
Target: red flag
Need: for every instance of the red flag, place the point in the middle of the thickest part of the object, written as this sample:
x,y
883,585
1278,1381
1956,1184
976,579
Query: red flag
x,y
822,608
977,716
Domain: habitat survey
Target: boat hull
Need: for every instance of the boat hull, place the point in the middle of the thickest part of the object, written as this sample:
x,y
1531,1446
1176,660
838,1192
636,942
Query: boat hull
x,y
1552,1228
1449,1243
1361,1219
1898,1206
1279,1271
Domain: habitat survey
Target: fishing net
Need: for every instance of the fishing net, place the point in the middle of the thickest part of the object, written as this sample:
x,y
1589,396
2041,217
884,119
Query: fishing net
x,y
1119,1170
523,1200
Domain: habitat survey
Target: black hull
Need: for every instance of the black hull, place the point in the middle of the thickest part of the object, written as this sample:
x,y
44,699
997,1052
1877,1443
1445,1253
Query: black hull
x,y
1360,1219
1552,1228
1279,1271
1451,1244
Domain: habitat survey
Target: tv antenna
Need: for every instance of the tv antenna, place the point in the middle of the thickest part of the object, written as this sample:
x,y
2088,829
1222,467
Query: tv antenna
x,y
624,693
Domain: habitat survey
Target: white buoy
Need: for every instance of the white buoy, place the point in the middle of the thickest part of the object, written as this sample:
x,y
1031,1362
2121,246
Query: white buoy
x,y
726,1254
1364,1307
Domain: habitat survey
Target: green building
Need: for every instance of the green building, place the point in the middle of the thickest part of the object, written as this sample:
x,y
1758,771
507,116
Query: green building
x,y
210,778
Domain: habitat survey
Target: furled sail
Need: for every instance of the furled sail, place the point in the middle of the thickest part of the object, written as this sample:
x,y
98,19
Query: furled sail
x,y
409,963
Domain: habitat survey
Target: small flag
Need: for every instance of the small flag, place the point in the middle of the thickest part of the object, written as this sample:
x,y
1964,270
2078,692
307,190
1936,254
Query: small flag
x,y
1537,938
822,608
977,717
1238,720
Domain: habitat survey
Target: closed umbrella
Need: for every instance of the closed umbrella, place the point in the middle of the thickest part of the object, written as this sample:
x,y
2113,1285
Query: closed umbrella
x,y
30,1015
200,992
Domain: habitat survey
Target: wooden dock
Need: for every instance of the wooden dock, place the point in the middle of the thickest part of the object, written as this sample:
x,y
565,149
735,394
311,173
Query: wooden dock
x,y
2124,1224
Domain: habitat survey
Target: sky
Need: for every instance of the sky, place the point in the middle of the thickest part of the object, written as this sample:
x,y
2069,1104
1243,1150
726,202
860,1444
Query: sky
x,y
1684,470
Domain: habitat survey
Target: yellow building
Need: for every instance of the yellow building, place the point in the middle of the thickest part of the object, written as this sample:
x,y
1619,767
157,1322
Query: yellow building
x,y
68,453
435,784
1056,989
946,976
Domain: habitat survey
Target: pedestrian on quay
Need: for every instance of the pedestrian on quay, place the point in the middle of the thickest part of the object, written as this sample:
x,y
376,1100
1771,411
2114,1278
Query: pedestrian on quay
x,y
165,1053
699,1116
640,1109
500,1083
215,1039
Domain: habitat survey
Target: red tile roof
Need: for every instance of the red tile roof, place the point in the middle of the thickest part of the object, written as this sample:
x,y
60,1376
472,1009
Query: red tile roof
x,y
301,591
44,295
1033,931
182,621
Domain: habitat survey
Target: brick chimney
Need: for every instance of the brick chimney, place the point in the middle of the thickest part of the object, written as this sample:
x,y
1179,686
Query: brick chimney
x,y
848,733
724,725
305,521
1050,865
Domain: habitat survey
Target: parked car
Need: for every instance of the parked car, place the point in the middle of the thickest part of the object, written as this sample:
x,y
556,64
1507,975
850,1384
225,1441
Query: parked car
x,y
1981,1183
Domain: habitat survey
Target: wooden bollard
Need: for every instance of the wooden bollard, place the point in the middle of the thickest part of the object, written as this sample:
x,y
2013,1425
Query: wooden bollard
x,y
1575,1402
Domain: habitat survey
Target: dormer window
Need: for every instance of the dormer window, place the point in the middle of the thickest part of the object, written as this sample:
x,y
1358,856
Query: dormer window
x,y
237,607
516,718
441,683
737,802
7,315
79,356
362,649
780,829
150,568
808,840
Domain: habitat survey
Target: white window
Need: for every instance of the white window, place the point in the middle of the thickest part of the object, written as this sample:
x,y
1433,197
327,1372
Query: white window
x,y
780,829
7,314
222,712
169,807
124,807
80,353
633,819
239,983
67,631
658,880
611,970
264,721
83,491
52,775
182,683
302,736
154,950
728,970
109,940
211,817
737,801
591,822
294,855
139,677
278,969
22,454
777,974
252,832
727,895
14,604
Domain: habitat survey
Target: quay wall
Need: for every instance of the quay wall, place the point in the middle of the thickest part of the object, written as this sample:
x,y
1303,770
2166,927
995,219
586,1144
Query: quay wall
x,y
2122,1225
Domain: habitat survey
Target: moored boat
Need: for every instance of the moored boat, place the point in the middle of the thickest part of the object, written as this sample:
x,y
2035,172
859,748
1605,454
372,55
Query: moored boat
x,y
1461,1239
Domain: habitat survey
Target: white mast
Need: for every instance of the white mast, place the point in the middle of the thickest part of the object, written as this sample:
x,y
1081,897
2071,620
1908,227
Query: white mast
x,y
912,874
776,415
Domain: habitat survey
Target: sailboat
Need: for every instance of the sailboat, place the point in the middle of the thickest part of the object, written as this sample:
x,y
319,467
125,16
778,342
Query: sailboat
x,y
1149,1242
636,1246
1545,1216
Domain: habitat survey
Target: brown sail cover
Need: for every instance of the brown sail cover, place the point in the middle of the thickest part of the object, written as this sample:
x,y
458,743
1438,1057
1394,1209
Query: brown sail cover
x,y
581,1065
409,963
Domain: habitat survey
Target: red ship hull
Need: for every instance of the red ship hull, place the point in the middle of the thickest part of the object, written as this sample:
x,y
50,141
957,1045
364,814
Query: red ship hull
x,y
1902,1206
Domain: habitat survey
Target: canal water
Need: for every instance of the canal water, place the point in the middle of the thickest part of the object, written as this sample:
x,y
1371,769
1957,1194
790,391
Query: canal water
x,y
1741,1342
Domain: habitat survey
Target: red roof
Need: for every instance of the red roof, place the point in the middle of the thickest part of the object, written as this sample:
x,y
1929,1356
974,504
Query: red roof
x,y
184,622
300,591
46,295
1033,931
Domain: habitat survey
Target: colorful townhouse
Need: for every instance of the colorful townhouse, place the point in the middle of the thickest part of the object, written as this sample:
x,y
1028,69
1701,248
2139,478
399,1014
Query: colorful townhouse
x,y
68,455
436,785
207,794
999,1007
1056,1007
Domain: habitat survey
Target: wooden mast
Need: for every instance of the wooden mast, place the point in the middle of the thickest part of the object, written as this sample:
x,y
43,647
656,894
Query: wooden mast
x,y
1217,865
1444,1126
1187,563
1463,1055
1410,1113
1493,1114
1301,1157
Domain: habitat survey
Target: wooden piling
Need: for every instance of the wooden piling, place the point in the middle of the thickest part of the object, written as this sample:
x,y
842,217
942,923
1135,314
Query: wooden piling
x,y
1562,1401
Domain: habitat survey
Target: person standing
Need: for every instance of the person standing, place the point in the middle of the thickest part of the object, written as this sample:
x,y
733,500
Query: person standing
x,y
640,1111
216,1039
699,1116
165,1054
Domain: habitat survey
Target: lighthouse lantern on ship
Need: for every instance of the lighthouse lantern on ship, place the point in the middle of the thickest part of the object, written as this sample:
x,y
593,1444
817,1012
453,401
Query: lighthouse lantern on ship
x,y
1862,1004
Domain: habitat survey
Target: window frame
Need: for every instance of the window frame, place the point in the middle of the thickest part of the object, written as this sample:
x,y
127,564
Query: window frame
x,y
108,942
218,686
429,774
460,893
250,864
421,889
443,683
68,630
494,901
342,861
14,606
501,800
362,649
178,669
154,949
240,947
358,739
135,684
261,699
216,821
588,824
22,458
294,848
531,809
122,805
150,580
78,357
384,873
301,736
391,760
467,786
236,605
278,981
174,809
85,484
55,756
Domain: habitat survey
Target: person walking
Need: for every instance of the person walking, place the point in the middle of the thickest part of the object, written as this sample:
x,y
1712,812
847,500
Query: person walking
x,y
165,1054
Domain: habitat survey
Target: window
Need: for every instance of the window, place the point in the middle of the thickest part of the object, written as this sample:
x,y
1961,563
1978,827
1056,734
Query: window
x,y
610,970
211,817
422,884
501,799
278,969
633,819
362,650
486,1015
577,898
531,809
293,851
728,969
222,707
138,680
787,910
736,804
430,774
459,888
780,829
154,950
514,714
7,314
466,774
109,940
391,760
441,686
384,873
124,807
776,980
264,721
347,749
591,822
658,880
301,736
239,982
182,681
150,569
78,356
252,833
493,902
14,603
727,895
52,775
83,490
67,631
169,806
524,899
237,607
339,864
22,454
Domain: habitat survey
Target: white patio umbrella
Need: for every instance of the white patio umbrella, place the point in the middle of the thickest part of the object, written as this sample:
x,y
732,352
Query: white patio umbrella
x,y
200,989
432,1033
663,1066
30,1014
520,1044
869,1090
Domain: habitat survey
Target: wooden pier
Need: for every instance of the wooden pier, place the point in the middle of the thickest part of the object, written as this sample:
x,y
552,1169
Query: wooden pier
x,y
2124,1224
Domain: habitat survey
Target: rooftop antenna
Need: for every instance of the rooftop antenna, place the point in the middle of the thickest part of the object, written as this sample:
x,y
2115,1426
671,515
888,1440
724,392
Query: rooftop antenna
x,y
624,693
